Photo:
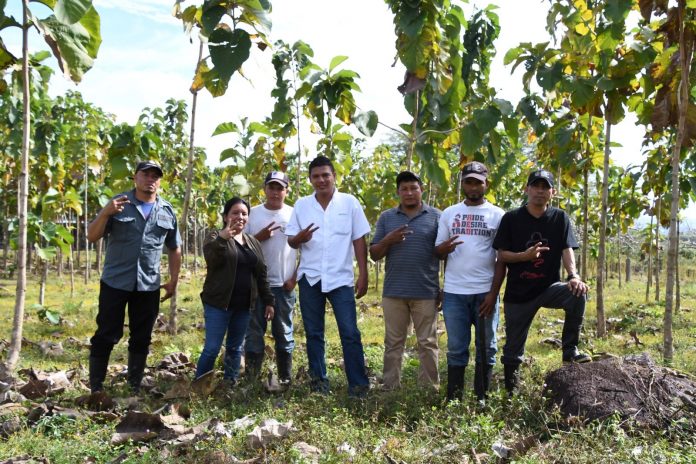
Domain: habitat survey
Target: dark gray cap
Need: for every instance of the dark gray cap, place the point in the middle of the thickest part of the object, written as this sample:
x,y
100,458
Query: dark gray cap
x,y
541,174
145,165
476,170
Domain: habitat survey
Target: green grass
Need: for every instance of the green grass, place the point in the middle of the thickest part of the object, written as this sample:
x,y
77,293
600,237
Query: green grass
x,y
412,425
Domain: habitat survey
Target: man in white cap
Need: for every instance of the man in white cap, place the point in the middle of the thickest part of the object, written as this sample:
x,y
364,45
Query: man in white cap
x,y
267,224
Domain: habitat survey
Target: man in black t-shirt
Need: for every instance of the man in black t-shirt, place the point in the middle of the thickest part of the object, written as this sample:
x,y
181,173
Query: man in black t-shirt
x,y
533,240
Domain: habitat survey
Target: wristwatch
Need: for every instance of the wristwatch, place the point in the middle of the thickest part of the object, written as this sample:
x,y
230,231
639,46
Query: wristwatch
x,y
572,276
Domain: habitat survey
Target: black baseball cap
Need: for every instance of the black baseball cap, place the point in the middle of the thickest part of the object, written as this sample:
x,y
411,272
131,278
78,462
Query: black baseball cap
x,y
145,165
541,174
476,170
407,176
277,176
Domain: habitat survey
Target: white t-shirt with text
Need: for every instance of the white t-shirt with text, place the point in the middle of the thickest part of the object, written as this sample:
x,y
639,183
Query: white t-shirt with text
x,y
471,265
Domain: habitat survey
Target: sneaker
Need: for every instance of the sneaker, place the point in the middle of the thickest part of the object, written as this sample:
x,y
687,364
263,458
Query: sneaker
x,y
577,357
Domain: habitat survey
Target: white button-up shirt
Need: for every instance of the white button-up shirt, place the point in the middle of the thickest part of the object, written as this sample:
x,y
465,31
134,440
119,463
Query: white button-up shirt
x,y
328,256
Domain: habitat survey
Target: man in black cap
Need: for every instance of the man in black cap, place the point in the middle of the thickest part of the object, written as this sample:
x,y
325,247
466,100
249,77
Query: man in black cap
x,y
533,240
136,224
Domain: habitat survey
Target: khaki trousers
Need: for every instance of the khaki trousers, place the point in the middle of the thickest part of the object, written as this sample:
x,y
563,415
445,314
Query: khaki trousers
x,y
398,313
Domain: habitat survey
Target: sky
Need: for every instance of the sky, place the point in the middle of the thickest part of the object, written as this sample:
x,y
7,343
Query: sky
x,y
146,58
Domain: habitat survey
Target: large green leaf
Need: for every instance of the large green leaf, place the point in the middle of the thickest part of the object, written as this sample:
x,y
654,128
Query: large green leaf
x,y
259,19
616,11
6,58
548,76
71,11
471,139
46,253
230,153
211,18
225,128
486,119
582,92
74,45
366,122
259,128
336,60
228,50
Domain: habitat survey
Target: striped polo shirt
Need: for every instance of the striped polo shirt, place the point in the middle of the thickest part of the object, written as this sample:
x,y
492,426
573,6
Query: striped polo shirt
x,y
411,266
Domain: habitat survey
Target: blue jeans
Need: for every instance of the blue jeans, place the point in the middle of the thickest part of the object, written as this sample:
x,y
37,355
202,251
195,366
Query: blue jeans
x,y
313,308
219,322
461,313
281,325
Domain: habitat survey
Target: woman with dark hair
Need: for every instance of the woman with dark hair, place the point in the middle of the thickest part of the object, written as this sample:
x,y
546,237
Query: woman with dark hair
x,y
236,278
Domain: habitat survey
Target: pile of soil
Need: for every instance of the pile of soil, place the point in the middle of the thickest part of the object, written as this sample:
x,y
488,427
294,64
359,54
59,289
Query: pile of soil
x,y
633,387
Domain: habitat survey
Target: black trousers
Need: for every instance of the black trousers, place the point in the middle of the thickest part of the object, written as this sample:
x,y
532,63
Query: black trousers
x,y
143,308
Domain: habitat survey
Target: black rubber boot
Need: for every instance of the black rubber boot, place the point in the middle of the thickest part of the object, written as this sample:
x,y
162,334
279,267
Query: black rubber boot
x,y
482,380
512,377
97,373
253,363
284,364
455,382
136,369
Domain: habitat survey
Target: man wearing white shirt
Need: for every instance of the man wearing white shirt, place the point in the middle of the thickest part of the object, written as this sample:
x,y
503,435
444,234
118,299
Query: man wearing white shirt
x,y
267,223
328,228
473,279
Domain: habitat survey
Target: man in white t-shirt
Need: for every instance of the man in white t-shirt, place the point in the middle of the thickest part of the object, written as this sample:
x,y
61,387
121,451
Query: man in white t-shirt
x,y
473,279
267,223
329,228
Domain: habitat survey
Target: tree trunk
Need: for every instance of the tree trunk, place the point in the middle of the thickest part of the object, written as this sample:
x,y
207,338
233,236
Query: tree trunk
x,y
628,269
618,247
414,133
377,266
183,223
677,283
172,323
23,192
195,239
658,220
78,261
42,285
685,53
5,238
71,269
88,263
601,258
59,262
585,220
649,281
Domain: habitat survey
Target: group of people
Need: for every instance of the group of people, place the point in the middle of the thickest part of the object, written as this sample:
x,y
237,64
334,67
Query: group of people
x,y
259,255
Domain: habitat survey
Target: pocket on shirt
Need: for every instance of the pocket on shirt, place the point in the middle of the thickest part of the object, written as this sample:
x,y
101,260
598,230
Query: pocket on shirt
x,y
342,225
123,221
165,222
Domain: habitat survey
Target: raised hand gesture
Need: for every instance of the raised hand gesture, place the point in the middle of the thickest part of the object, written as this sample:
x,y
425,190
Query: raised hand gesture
x,y
397,235
116,205
267,232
